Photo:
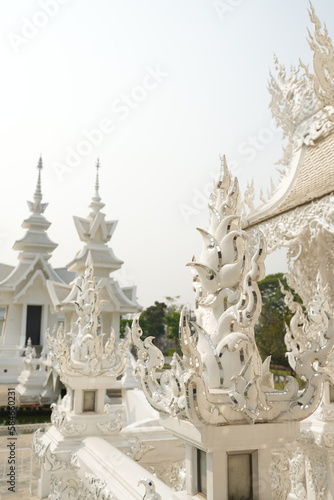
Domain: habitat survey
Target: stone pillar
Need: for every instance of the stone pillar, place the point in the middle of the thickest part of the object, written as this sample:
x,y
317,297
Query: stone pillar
x,y
43,489
218,458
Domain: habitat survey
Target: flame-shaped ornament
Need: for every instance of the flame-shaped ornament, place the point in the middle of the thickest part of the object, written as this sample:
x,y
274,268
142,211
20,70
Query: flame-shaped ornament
x,y
221,378
86,352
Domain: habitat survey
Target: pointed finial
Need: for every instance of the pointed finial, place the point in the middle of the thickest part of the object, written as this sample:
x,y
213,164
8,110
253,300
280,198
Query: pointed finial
x,y
36,206
97,197
97,185
223,178
96,203
38,191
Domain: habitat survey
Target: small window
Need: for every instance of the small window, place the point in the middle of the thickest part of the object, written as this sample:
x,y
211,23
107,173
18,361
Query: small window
x,y
331,393
201,472
3,316
89,401
240,476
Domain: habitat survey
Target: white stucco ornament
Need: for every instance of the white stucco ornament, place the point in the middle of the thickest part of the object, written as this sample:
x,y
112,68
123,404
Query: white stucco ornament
x,y
150,493
304,327
221,378
302,102
85,351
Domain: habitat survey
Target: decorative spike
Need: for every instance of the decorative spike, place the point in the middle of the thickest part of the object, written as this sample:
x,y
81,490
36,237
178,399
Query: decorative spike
x,y
86,353
97,185
223,178
38,192
96,203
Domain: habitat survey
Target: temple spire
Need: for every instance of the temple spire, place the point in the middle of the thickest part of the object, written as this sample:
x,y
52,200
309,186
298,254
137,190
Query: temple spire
x,y
96,203
38,191
36,240
97,184
95,231
36,206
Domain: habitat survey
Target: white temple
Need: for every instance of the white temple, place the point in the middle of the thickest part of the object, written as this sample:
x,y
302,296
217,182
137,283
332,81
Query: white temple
x,y
96,232
213,426
24,296
35,297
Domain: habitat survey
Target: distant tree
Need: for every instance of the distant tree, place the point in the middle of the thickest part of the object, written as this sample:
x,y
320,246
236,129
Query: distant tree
x,y
152,322
161,321
172,319
270,328
173,304
123,323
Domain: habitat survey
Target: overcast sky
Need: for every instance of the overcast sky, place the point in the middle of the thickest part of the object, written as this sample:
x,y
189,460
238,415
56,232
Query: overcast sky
x,y
156,89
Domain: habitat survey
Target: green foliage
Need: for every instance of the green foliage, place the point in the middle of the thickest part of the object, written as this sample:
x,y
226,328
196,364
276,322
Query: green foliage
x,y
270,328
152,320
161,321
123,323
172,321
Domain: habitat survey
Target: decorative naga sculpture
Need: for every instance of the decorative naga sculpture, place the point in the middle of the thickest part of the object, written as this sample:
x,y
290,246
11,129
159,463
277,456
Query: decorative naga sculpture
x,y
220,378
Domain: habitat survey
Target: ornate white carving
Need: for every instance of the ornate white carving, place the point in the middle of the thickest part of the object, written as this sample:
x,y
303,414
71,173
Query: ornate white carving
x,y
221,379
98,488
138,449
285,229
306,437
62,422
28,348
280,480
326,413
327,439
45,457
297,475
307,328
302,103
165,395
71,488
173,474
74,462
311,456
114,423
308,232
150,493
64,488
249,198
316,472
323,57
86,352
